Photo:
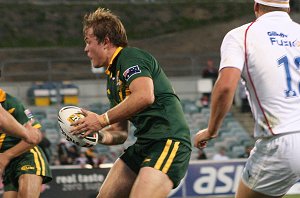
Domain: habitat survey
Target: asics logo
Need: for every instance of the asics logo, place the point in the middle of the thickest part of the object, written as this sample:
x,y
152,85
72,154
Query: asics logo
x,y
27,167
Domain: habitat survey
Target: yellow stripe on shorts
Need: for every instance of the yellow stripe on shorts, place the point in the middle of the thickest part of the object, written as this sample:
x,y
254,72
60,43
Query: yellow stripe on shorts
x,y
42,161
171,157
2,137
163,155
36,161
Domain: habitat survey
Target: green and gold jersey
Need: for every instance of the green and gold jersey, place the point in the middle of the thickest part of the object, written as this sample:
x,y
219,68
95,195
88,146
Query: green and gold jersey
x,y
17,110
164,118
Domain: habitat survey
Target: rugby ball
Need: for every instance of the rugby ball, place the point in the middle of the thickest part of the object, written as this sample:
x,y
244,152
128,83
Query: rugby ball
x,y
68,115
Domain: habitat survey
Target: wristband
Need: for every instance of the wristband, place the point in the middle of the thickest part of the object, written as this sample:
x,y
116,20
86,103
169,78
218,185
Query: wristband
x,y
102,120
106,118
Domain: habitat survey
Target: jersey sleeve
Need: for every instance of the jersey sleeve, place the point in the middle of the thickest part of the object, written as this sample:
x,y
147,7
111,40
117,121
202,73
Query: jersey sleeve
x,y
21,114
135,68
18,112
232,51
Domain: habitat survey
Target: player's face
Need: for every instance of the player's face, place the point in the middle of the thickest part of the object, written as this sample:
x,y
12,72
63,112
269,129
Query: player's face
x,y
96,51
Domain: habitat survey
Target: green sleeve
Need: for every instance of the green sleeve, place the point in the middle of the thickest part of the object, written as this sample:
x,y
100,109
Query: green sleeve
x,y
18,111
134,68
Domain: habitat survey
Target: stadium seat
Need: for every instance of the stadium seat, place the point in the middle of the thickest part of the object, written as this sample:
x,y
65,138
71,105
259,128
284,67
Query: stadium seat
x,y
237,151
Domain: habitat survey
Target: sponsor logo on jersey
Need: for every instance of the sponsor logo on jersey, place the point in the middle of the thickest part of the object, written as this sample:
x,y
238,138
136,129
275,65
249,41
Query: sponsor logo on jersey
x,y
27,167
273,33
131,71
281,39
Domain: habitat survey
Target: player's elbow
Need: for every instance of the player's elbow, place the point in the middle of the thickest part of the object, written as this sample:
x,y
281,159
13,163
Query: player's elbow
x,y
147,99
225,92
120,138
225,89
151,99
124,136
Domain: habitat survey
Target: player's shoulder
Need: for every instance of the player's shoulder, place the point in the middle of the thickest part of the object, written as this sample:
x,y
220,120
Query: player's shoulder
x,y
11,99
134,52
239,30
12,104
2,95
130,50
236,34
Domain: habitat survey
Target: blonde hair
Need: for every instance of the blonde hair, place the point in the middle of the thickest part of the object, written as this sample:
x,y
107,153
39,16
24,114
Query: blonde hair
x,y
105,24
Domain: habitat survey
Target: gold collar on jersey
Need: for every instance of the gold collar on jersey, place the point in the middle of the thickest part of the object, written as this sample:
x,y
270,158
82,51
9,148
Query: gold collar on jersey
x,y
2,95
112,59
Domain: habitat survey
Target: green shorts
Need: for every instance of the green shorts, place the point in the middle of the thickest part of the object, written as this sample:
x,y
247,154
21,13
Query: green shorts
x,y
169,156
31,162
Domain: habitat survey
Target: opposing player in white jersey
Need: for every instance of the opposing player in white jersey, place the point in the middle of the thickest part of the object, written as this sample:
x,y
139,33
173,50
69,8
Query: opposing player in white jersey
x,y
266,54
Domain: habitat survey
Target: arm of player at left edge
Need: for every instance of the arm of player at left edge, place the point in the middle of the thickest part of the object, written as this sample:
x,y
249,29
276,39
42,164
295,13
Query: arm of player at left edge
x,y
12,153
222,98
15,151
142,96
10,126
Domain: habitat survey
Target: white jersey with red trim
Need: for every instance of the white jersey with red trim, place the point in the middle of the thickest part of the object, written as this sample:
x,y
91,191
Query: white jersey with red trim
x,y
270,65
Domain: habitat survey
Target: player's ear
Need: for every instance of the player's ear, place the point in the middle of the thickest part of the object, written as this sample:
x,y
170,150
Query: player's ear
x,y
256,9
106,41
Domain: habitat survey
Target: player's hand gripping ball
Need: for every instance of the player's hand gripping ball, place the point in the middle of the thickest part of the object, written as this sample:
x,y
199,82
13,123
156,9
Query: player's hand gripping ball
x,y
68,115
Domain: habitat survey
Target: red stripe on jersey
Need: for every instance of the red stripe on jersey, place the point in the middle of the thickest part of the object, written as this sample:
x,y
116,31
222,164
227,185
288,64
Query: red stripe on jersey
x,y
251,81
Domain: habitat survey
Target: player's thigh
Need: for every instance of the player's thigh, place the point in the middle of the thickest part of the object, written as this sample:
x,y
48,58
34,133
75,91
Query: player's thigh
x,y
29,186
273,166
151,183
118,182
165,163
171,157
245,192
10,194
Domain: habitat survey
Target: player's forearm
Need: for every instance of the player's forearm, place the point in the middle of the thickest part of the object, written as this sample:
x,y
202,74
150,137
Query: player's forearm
x,y
11,126
222,98
112,137
114,134
18,149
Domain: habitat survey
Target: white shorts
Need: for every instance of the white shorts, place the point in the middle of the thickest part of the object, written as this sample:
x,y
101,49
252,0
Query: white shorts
x,y
274,165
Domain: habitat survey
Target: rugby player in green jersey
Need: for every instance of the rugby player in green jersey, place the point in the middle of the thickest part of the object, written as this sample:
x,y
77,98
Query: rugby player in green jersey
x,y
24,165
138,91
